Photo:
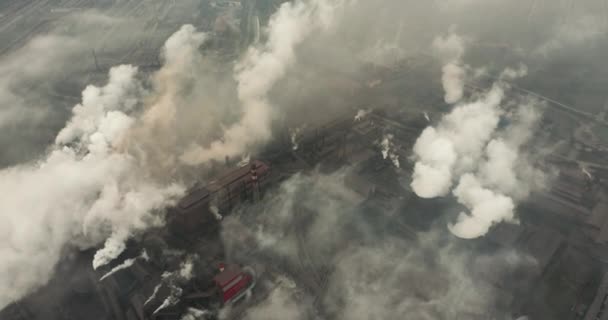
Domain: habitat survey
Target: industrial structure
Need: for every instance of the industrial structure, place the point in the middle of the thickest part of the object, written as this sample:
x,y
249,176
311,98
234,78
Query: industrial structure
x,y
563,227
220,195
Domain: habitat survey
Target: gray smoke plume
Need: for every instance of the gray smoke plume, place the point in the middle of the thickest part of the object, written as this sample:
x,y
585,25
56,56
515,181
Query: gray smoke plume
x,y
154,138
258,72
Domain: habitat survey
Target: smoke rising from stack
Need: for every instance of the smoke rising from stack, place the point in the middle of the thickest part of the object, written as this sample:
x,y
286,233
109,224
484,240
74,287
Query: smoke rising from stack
x,y
174,281
125,265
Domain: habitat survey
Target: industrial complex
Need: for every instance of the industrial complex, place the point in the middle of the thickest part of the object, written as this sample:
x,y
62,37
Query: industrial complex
x,y
210,258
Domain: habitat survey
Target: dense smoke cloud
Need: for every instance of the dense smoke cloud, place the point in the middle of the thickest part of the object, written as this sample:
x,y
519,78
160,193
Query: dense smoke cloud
x,y
468,146
455,145
155,138
94,184
503,178
81,193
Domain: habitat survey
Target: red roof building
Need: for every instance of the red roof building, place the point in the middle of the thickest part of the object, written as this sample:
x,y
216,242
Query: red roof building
x,y
233,283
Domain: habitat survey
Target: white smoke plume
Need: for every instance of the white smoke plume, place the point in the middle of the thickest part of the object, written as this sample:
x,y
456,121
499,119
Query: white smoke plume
x,y
80,193
194,314
216,212
503,178
186,268
487,208
125,265
455,145
245,160
294,135
361,114
388,150
468,147
154,292
257,74
174,280
171,300
112,248
102,111
586,171
450,50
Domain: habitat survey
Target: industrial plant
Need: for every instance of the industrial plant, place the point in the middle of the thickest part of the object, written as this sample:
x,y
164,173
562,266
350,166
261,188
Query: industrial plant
x,y
238,165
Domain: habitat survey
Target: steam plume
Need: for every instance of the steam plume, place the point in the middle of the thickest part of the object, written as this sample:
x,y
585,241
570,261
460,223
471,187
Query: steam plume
x,y
502,178
125,265
492,174
467,146
455,145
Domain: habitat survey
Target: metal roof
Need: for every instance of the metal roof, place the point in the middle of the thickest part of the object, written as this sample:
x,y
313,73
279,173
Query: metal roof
x,y
194,197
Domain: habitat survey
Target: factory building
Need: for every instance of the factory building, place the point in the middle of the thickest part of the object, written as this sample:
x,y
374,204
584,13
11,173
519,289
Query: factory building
x,y
203,204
